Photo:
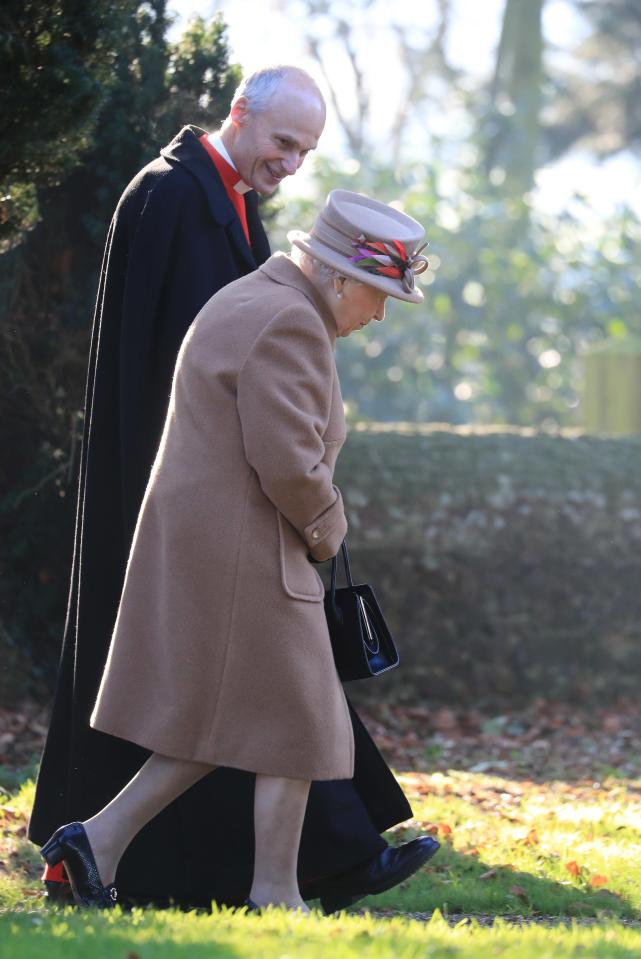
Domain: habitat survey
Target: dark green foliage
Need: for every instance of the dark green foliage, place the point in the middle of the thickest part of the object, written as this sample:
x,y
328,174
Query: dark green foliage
x,y
200,81
56,57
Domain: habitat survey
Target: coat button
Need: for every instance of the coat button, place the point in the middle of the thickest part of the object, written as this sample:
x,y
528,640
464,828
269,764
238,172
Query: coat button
x,y
316,534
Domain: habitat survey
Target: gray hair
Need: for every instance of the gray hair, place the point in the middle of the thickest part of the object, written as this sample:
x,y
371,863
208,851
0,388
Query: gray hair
x,y
322,271
259,87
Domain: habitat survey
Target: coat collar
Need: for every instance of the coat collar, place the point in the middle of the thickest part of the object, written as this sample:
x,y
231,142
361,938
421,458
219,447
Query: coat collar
x,y
282,269
186,150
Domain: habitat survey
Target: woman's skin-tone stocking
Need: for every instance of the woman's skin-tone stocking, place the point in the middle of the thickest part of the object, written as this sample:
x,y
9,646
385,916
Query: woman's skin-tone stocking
x,y
279,810
158,782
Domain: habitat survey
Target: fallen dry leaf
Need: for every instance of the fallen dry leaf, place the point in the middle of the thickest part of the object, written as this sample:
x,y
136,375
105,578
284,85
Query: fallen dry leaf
x,y
520,893
490,874
430,827
573,868
597,881
523,743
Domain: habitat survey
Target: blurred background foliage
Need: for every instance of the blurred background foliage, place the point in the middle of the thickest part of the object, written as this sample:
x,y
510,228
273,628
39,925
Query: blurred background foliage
x,y
519,293
91,90
512,300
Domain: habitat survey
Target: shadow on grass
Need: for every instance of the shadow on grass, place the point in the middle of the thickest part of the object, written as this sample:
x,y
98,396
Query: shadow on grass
x,y
457,883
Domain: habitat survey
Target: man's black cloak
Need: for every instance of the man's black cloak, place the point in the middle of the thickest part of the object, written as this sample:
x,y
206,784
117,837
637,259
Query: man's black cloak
x,y
175,240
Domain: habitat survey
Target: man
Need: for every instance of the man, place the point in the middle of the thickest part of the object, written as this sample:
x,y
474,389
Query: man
x,y
185,226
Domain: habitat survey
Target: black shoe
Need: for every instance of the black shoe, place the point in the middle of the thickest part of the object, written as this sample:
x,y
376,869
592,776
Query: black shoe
x,y
70,844
392,865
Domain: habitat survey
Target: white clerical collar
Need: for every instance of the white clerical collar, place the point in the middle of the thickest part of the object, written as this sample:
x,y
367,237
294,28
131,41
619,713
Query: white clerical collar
x,y
217,142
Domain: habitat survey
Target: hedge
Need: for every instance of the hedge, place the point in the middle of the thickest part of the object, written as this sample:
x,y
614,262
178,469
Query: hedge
x,y
507,561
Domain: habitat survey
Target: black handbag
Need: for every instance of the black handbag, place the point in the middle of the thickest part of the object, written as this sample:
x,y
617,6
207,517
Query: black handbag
x,y
361,641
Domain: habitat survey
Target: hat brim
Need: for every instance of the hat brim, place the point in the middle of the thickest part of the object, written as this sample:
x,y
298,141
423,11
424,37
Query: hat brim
x,y
342,266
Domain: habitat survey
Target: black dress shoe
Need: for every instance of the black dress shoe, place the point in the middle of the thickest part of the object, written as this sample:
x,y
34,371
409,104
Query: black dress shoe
x,y
392,865
70,844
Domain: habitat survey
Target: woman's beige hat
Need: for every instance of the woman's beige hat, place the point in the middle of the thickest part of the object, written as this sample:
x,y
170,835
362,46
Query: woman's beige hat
x,y
367,241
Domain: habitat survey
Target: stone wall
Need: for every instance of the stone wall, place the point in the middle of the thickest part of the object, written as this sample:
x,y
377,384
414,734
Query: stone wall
x,y
508,562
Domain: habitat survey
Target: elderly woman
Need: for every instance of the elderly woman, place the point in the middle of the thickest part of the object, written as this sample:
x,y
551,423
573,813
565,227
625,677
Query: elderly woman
x,y
220,654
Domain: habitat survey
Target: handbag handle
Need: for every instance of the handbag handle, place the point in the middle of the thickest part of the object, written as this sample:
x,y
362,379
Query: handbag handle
x,y
348,572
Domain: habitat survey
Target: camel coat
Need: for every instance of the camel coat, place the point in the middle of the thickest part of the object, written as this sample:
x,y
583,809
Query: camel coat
x,y
220,651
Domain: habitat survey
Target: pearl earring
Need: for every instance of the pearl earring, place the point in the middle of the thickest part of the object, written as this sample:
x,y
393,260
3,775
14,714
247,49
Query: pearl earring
x,y
339,295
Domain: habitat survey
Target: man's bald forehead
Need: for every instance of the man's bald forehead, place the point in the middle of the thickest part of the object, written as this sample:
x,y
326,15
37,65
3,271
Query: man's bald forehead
x,y
299,78
298,83
270,83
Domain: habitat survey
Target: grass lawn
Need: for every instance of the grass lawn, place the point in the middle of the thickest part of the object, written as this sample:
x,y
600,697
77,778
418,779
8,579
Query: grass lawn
x,y
558,859
521,847
170,935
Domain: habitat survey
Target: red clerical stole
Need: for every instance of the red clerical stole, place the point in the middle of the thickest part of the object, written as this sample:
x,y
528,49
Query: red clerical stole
x,y
230,178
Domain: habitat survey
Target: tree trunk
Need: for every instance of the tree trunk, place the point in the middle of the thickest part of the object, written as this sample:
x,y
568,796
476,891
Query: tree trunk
x,y
513,134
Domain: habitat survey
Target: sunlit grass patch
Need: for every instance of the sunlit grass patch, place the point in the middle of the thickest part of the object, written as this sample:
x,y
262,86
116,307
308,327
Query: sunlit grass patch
x,y
279,935
20,862
509,848
514,846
